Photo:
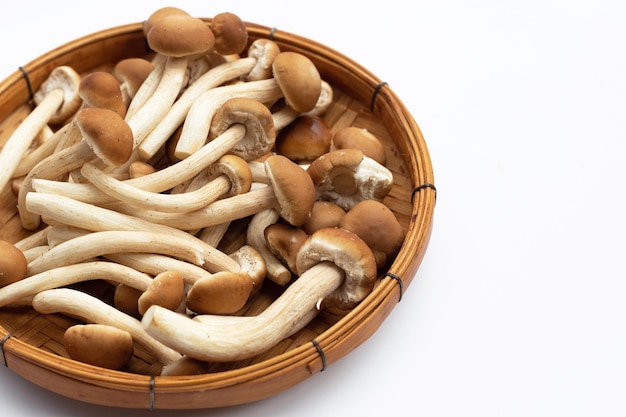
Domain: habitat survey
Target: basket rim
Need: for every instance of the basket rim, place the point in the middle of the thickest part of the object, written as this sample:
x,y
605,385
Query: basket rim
x,y
330,345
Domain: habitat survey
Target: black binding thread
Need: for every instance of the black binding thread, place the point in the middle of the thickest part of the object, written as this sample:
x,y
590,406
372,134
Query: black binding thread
x,y
151,392
400,283
320,351
375,93
31,94
2,342
423,186
270,36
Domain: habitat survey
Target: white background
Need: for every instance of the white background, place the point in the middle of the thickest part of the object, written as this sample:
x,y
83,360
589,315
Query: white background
x,y
518,308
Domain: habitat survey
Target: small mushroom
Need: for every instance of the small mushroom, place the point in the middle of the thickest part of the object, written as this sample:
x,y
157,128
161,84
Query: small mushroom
x,y
131,74
323,214
336,266
231,34
305,139
166,290
347,176
352,137
102,89
99,344
298,79
93,310
56,100
224,292
13,264
105,136
284,241
255,237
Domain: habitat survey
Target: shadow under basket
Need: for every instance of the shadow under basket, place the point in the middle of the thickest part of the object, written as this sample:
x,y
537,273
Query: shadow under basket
x,y
31,344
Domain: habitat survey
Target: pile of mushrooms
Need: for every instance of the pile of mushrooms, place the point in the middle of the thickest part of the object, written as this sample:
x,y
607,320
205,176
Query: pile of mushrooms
x,y
144,168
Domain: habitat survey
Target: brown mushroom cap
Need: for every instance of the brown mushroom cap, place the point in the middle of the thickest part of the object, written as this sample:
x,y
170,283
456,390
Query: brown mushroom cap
x,y
179,35
166,290
260,135
126,300
350,253
231,34
324,214
160,14
13,264
352,137
304,139
376,224
109,136
284,241
99,344
102,89
236,169
223,292
293,188
299,80
131,73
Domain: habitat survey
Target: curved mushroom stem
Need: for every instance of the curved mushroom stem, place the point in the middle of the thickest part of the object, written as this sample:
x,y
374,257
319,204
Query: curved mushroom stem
x,y
86,216
276,270
234,338
91,309
71,274
154,264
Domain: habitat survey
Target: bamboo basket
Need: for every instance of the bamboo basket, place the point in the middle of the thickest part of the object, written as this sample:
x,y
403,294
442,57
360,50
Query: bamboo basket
x,y
31,344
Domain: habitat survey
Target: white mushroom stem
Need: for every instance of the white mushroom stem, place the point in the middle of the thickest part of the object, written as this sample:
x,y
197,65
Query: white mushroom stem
x,y
171,203
255,237
197,124
247,337
155,108
35,239
44,150
177,113
74,213
154,264
91,309
97,244
71,274
148,86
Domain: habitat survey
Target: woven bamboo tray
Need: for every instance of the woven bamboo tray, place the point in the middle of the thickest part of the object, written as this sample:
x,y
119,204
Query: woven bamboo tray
x,y
31,343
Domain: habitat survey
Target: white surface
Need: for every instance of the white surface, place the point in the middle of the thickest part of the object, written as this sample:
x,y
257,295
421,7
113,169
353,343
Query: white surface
x,y
518,308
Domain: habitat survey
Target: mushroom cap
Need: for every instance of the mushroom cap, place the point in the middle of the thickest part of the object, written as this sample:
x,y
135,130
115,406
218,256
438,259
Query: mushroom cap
x,y
231,34
293,188
102,89
352,137
260,135
350,253
265,51
107,133
131,73
299,80
67,79
223,292
125,299
347,176
13,264
166,290
284,241
99,344
236,169
159,14
179,35
376,224
324,214
304,139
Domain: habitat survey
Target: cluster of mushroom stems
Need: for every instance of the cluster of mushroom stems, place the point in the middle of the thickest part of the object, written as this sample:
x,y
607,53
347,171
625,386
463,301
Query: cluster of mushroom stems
x,y
133,176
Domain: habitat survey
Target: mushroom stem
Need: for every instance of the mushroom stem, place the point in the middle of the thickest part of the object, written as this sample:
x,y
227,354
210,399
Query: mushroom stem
x,y
241,338
71,274
44,150
70,212
91,309
154,264
255,237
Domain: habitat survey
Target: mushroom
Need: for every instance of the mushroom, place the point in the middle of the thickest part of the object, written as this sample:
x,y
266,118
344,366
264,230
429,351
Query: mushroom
x,y
166,290
290,192
131,74
305,139
335,266
255,237
105,136
176,36
299,80
102,89
93,310
56,100
376,224
347,176
13,263
231,34
230,174
71,274
284,241
352,137
224,292
323,214
99,344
